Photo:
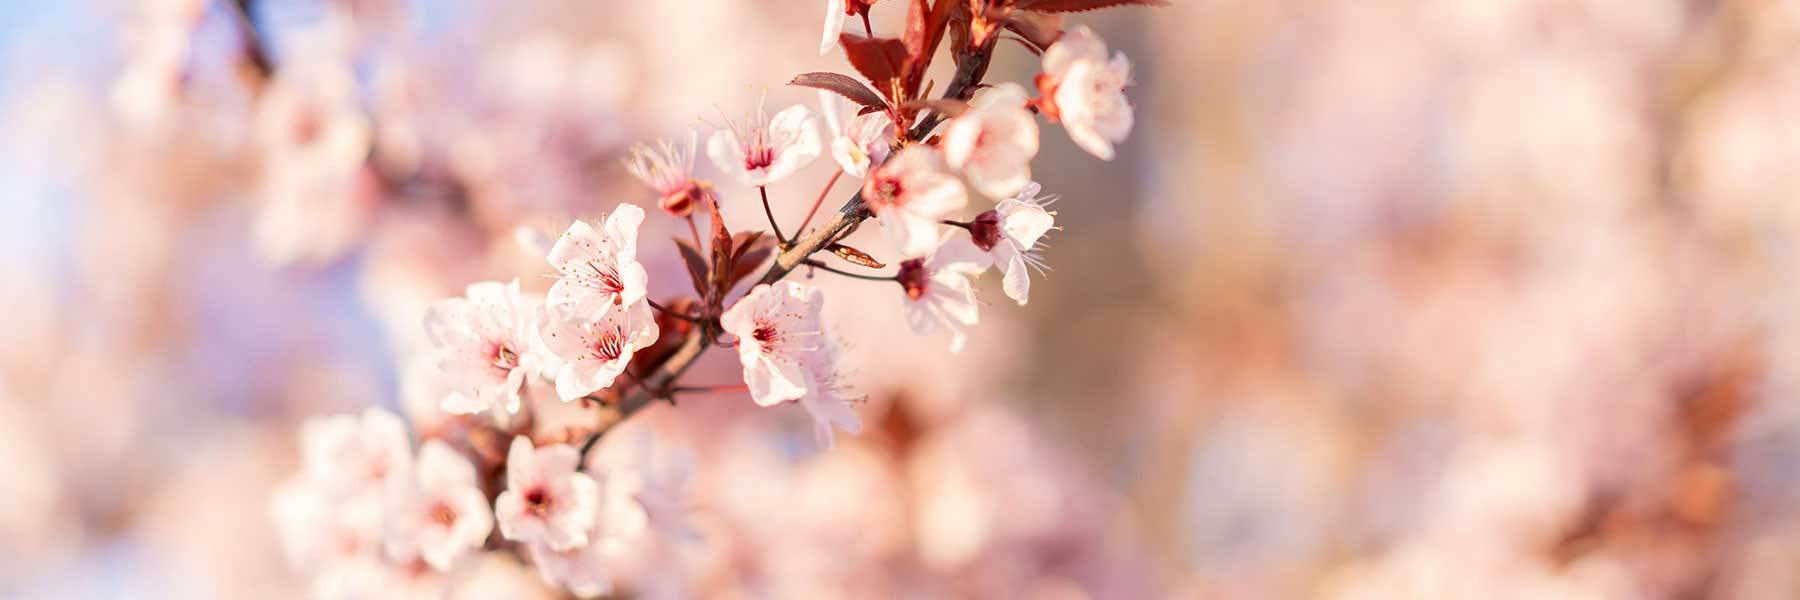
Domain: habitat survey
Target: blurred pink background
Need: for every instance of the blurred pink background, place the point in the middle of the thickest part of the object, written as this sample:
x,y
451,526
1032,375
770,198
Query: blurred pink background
x,y
1395,299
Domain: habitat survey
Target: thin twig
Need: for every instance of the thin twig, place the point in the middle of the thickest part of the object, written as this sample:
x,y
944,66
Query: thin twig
x,y
671,312
771,215
818,201
830,269
254,49
726,388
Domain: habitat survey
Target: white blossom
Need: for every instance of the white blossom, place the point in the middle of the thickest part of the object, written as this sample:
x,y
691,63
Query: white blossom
x,y
546,500
331,512
437,513
597,271
909,195
595,351
778,331
940,291
993,143
858,142
835,13
1010,234
765,151
1087,90
485,341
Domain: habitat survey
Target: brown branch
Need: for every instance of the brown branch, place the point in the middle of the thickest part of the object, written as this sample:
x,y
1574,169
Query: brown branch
x,y
255,50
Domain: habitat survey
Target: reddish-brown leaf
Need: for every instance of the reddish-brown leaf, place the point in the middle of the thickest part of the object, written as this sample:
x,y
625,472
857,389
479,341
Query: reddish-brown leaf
x,y
882,60
856,257
1056,6
696,265
749,256
842,85
924,30
1041,29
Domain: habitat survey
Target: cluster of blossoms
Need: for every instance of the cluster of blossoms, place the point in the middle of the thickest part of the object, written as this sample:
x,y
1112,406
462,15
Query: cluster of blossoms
x,y
598,337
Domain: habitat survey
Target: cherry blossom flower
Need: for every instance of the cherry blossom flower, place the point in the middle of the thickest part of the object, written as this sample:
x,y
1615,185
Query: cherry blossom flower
x,y
669,170
349,454
858,142
828,400
909,194
940,291
437,513
1010,235
595,351
785,355
598,271
318,199
653,477
546,500
1086,91
778,331
331,512
993,143
583,570
485,345
765,151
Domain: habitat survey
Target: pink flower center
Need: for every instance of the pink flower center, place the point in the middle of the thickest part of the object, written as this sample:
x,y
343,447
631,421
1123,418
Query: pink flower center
x,y
759,154
538,501
610,345
503,357
602,276
889,192
442,514
766,335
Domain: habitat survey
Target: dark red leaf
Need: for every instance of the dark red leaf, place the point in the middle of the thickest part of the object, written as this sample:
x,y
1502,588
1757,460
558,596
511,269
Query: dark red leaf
x,y
924,29
856,257
1056,6
1041,29
750,256
882,60
842,85
696,265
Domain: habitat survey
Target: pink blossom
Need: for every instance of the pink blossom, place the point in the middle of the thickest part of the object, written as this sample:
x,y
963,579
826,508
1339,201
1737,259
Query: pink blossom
x,y
778,331
909,194
858,142
765,151
940,291
597,271
1087,91
1010,235
437,513
669,170
594,351
546,500
486,346
993,143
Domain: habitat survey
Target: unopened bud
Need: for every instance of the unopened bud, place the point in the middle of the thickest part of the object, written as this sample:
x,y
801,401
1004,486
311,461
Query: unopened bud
x,y
914,278
680,203
985,230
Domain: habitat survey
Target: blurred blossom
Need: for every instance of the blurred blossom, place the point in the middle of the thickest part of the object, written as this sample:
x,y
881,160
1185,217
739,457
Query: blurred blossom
x,y
1424,299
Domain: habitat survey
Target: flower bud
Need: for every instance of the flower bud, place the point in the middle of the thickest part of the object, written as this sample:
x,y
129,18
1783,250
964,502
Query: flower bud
x,y
985,230
913,277
680,203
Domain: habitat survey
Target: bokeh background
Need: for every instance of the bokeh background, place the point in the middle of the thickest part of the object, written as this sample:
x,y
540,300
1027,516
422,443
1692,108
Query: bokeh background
x,y
1382,299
